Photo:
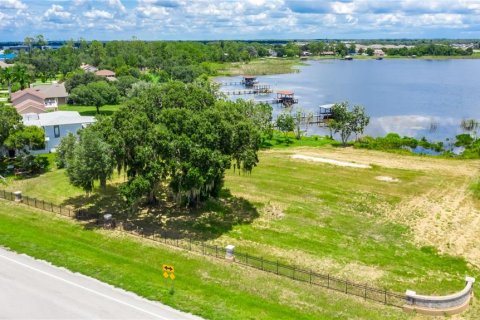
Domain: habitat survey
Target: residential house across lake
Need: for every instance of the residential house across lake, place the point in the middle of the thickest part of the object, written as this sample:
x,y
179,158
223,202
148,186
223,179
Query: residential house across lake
x,y
57,125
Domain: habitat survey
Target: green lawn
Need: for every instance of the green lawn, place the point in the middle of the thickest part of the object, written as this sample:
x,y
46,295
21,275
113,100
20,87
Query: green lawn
x,y
90,110
204,286
261,67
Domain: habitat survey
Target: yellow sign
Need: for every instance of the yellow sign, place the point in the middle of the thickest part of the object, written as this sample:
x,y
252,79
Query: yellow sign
x,y
165,275
172,276
167,268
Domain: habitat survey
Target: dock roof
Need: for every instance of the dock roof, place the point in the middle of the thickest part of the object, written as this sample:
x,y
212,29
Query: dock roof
x,y
285,92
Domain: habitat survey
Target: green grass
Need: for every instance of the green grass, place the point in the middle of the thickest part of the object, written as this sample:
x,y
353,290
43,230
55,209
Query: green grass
x,y
281,141
90,110
261,67
317,216
204,286
475,188
332,217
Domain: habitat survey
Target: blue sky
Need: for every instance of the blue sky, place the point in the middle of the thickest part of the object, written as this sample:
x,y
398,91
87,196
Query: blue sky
x,y
242,19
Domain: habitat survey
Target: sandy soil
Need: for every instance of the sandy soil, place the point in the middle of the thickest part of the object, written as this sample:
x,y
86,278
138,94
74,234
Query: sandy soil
x,y
445,216
331,161
387,179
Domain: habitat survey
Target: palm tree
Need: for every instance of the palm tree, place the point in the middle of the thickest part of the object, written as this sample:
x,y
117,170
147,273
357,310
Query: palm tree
x,y
21,76
7,78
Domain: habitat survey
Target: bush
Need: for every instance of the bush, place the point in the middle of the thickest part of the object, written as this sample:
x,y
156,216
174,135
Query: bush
x,y
393,141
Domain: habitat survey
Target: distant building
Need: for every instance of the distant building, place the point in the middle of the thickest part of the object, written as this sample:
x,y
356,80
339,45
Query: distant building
x,y
56,126
88,68
327,53
378,53
107,74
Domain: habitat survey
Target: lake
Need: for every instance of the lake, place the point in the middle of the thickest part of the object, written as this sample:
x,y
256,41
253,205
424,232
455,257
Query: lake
x,y
411,97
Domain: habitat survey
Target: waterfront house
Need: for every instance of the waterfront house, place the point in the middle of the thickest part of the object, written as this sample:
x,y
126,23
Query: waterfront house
x,y
378,53
57,125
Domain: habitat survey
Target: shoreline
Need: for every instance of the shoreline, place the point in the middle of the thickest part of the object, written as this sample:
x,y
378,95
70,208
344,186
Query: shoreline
x,y
271,65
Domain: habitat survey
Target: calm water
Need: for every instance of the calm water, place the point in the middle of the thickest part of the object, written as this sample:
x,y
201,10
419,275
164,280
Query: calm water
x,y
411,97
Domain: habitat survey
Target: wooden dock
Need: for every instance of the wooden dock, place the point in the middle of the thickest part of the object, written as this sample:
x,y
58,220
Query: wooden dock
x,y
321,119
246,92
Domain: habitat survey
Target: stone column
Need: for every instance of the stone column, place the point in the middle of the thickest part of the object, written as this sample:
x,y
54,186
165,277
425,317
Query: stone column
x,y
18,196
230,253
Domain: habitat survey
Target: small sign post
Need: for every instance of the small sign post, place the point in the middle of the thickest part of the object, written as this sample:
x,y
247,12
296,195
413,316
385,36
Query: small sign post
x,y
169,272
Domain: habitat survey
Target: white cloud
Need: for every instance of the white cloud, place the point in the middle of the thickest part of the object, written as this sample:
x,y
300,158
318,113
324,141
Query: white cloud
x,y
56,13
12,4
116,4
98,14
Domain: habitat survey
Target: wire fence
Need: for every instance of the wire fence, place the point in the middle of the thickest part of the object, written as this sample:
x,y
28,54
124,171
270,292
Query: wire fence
x,y
295,273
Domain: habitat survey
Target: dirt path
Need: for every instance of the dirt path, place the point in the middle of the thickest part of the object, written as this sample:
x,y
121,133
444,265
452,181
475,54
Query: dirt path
x,y
391,160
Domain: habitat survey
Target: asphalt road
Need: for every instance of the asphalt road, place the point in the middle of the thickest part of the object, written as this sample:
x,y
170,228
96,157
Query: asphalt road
x,y
34,289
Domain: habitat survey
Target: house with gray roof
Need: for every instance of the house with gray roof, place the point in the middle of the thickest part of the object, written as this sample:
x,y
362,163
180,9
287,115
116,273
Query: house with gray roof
x,y
57,125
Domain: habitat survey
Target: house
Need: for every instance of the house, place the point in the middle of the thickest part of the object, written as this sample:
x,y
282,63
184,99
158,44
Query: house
x,y
30,106
55,93
378,53
39,99
57,125
28,94
107,74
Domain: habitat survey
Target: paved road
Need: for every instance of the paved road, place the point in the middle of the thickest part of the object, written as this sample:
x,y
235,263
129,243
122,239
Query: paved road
x,y
34,289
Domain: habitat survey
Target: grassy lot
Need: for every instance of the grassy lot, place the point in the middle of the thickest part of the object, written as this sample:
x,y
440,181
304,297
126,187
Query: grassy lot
x,y
90,110
261,67
341,220
204,286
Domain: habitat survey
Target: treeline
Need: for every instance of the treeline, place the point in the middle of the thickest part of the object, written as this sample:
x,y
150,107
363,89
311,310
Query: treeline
x,y
429,50
182,61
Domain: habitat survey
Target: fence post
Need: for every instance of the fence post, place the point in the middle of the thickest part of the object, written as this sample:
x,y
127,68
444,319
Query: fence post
x,y
310,276
293,272
385,296
365,292
277,266
346,286
262,263
190,246
43,204
328,280
51,204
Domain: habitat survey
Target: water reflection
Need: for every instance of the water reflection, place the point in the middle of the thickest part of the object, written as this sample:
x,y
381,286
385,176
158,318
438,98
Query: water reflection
x,y
415,98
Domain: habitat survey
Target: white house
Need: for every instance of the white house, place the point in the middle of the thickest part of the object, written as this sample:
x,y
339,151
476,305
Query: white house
x,y
56,126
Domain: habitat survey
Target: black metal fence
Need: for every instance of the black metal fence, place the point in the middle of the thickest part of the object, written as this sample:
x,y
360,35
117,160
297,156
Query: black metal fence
x,y
318,279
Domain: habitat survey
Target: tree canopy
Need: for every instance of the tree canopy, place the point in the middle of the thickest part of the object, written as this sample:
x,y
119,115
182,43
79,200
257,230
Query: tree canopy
x,y
347,121
175,135
96,94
